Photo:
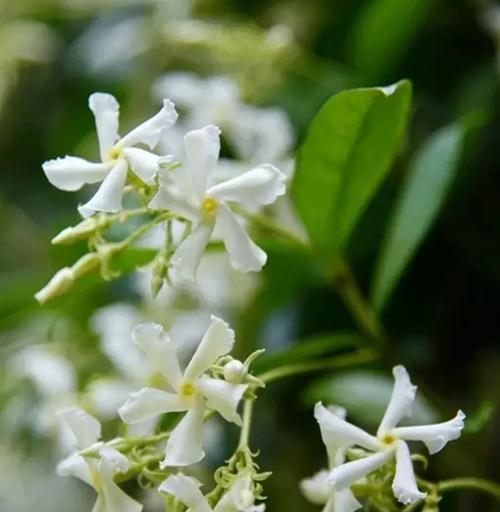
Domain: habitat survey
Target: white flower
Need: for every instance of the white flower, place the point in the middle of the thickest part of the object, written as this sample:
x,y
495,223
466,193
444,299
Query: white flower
x,y
390,441
193,390
118,156
98,473
190,192
318,489
239,497
255,134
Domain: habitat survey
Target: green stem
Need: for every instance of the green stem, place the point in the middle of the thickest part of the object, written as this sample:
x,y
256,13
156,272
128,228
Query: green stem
x,y
247,420
361,357
360,308
478,484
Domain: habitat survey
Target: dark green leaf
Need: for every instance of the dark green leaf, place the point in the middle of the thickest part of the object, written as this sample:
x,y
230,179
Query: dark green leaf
x,y
425,190
383,33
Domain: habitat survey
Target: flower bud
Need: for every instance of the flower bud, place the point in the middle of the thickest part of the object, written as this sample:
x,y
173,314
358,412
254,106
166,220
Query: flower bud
x,y
74,233
235,372
85,264
59,284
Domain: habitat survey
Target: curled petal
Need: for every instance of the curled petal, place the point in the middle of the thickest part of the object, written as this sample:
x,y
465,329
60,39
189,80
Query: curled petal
x,y
186,490
201,148
112,499
217,341
244,253
222,397
144,164
434,436
71,173
155,342
108,197
259,186
404,485
76,466
316,488
184,444
112,461
149,403
338,433
349,473
85,427
186,259
106,112
403,396
150,131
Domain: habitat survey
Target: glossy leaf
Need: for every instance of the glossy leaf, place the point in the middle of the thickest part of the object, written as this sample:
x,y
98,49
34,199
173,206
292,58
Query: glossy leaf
x,y
423,194
346,155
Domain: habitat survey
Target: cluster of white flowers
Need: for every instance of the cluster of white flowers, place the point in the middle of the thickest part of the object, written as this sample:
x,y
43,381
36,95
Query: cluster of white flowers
x,y
207,384
187,188
332,487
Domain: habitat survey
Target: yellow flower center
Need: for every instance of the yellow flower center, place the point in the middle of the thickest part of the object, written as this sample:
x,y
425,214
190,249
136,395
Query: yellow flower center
x,y
188,389
209,206
114,153
388,439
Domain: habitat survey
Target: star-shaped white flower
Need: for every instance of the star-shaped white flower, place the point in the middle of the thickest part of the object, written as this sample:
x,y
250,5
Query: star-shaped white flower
x,y
118,156
190,191
317,489
193,390
239,497
390,441
98,473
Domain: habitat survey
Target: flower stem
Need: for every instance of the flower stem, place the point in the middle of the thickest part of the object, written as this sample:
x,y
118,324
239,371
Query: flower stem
x,y
360,309
247,420
361,357
478,484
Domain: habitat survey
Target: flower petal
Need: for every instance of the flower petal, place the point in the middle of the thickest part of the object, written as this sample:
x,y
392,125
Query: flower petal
x,y
186,490
150,131
222,397
338,433
112,461
155,342
316,489
201,149
168,198
217,341
71,173
112,499
108,197
404,485
184,444
259,186
347,474
434,436
85,427
144,164
149,403
403,396
244,254
76,466
345,501
106,112
186,258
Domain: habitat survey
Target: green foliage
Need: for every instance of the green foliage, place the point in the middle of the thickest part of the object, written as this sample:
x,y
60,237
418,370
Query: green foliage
x,y
346,155
425,190
383,32
309,349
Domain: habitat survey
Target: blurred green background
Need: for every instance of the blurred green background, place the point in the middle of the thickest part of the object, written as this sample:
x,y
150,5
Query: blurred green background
x,y
443,318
